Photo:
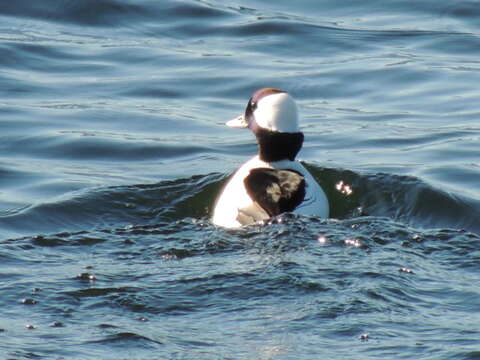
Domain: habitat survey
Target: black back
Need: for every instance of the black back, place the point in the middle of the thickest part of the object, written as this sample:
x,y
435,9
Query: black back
x,y
276,191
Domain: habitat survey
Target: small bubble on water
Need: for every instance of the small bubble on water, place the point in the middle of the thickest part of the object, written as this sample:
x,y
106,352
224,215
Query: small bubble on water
x,y
322,240
86,276
357,212
353,242
29,301
417,238
344,188
142,319
406,270
364,337
30,326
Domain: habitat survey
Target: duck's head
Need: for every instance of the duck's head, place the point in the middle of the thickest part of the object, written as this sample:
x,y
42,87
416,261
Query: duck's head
x,y
270,109
272,115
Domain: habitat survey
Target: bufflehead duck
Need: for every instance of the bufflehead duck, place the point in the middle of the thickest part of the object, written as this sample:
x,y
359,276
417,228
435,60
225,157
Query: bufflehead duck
x,y
272,182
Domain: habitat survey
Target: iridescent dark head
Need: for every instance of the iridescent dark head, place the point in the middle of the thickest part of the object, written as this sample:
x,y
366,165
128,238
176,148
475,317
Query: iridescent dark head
x,y
272,115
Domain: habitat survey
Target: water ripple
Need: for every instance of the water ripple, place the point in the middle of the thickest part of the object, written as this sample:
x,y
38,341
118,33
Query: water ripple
x,y
113,149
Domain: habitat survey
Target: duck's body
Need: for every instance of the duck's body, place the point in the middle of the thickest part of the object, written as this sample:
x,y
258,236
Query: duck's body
x,y
272,182
235,207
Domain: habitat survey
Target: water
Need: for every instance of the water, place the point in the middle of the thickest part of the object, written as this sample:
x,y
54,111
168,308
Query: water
x,y
112,150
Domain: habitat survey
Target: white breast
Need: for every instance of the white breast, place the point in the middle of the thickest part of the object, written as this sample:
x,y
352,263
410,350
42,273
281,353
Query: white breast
x,y
234,195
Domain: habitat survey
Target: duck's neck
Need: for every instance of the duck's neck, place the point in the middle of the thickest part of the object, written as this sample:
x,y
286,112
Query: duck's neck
x,y
276,146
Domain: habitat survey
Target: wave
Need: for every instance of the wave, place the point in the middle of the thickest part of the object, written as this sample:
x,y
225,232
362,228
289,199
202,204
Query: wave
x,y
402,199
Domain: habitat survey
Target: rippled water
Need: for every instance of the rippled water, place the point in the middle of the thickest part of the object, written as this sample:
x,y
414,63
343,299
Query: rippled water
x,y
112,150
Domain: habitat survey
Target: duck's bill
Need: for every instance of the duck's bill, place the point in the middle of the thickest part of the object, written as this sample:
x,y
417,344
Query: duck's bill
x,y
238,122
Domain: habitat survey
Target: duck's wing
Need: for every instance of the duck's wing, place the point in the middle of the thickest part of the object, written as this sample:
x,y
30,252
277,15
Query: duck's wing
x,y
252,214
273,191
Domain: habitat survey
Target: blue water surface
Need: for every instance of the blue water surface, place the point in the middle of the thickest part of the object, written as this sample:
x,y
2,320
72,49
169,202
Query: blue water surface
x,y
113,148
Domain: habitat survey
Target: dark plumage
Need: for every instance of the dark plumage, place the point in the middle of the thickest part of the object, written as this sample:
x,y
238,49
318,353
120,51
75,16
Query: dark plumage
x,y
274,192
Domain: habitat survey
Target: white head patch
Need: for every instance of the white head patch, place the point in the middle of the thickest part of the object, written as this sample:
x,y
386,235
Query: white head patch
x,y
277,112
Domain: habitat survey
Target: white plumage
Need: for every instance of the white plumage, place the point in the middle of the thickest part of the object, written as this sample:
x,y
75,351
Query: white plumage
x,y
270,114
